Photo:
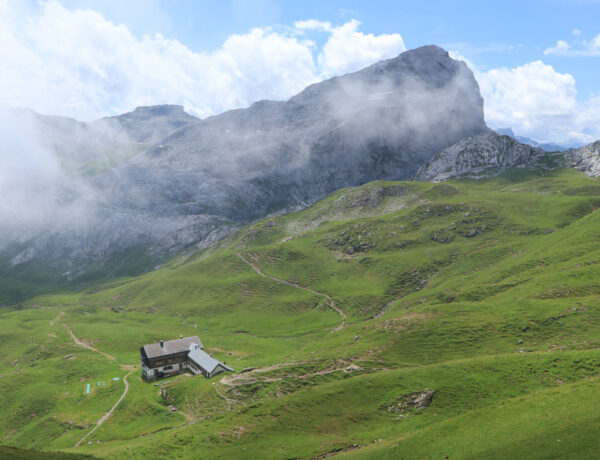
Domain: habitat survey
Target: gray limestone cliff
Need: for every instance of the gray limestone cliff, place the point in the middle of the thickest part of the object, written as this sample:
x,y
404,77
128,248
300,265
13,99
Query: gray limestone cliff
x,y
158,180
490,154
585,159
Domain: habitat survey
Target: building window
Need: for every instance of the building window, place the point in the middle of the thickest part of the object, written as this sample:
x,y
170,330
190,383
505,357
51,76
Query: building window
x,y
166,368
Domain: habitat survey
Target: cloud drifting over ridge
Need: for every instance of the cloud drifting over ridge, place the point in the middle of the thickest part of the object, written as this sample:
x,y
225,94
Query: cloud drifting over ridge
x,y
348,49
77,63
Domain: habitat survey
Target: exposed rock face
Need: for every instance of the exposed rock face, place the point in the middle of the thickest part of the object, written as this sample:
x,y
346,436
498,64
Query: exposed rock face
x,y
484,155
490,154
199,179
585,159
382,122
419,400
410,403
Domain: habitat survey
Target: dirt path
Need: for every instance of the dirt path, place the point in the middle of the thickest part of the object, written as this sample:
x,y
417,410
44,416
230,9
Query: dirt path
x,y
330,301
224,397
129,367
60,315
85,345
109,413
236,380
230,379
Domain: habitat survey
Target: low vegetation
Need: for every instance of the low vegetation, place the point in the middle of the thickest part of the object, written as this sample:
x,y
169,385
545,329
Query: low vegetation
x,y
466,325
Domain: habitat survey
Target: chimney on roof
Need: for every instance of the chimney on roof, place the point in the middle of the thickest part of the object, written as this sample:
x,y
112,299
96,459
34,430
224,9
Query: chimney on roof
x,y
162,343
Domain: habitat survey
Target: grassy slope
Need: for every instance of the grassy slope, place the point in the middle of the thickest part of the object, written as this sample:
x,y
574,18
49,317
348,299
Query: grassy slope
x,y
14,453
443,286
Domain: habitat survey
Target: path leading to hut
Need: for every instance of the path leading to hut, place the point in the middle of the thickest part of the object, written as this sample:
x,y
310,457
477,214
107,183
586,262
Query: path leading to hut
x,y
229,402
85,345
60,315
129,367
230,379
109,413
254,375
330,301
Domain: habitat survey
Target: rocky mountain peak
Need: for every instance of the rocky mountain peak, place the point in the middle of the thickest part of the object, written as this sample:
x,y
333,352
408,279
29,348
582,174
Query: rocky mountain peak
x,y
173,180
161,110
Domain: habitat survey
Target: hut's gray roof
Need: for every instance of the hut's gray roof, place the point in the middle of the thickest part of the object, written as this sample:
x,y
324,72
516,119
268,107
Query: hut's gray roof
x,y
205,361
154,350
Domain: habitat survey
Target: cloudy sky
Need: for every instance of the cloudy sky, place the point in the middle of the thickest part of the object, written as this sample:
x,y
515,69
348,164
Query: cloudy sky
x,y
537,62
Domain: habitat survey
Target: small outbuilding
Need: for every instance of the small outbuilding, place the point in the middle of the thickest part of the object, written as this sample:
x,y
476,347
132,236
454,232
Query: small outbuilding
x,y
203,363
172,357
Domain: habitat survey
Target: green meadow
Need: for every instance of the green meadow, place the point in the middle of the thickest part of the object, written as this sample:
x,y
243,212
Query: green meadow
x,y
485,292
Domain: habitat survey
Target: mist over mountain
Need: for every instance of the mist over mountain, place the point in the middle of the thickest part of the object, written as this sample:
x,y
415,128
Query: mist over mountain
x,y
382,122
252,230
156,180
118,195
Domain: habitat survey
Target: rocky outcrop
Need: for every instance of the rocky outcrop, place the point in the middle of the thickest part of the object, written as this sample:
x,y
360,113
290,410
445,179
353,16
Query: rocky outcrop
x,y
490,154
410,403
585,159
418,400
485,155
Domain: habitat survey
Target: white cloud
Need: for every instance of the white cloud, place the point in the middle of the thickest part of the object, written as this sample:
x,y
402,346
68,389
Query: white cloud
x,y
534,89
534,100
587,121
77,63
36,192
312,24
537,101
587,48
561,47
348,49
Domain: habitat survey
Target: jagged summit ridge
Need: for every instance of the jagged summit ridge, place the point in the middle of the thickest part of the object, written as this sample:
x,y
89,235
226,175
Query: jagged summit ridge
x,y
376,123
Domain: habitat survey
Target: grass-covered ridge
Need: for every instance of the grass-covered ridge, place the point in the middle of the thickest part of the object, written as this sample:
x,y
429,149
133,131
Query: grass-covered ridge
x,y
485,292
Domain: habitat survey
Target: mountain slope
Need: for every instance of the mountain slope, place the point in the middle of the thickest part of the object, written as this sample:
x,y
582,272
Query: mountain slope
x,y
484,292
377,123
204,178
